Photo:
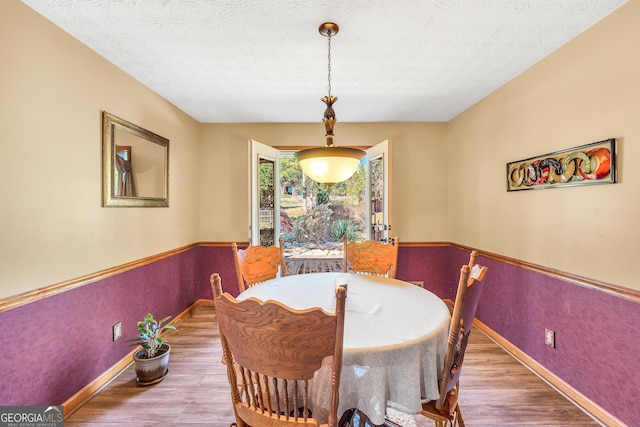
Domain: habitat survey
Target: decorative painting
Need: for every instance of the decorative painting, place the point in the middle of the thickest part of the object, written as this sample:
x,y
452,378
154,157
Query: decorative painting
x,y
588,164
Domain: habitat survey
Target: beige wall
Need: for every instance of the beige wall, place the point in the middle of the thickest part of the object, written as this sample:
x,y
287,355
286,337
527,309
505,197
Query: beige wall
x,y
418,163
587,91
53,228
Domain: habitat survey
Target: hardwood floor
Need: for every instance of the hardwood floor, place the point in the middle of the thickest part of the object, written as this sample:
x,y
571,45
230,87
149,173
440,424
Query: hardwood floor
x,y
496,390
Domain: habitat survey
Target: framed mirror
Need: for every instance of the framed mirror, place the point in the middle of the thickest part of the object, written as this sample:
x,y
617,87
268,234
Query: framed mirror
x,y
135,165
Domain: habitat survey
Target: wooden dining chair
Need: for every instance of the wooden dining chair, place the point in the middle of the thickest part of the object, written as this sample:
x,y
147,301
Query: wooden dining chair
x,y
257,263
446,409
371,257
272,351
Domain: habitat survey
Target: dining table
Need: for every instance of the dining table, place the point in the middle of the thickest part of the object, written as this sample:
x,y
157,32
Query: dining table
x,y
395,338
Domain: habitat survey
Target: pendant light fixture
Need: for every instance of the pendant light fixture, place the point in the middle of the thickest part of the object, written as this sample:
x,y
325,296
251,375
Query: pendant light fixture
x,y
329,164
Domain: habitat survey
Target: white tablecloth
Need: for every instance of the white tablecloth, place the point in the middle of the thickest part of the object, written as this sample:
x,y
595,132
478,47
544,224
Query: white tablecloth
x,y
394,342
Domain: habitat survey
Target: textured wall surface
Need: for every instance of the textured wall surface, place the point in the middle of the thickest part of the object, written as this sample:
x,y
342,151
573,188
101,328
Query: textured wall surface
x,y
53,347
596,348
216,259
431,265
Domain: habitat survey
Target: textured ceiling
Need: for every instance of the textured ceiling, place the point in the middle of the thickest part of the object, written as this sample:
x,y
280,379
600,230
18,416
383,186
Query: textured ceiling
x,y
264,61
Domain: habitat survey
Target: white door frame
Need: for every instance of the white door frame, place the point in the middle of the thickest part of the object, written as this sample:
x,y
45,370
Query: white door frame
x,y
382,151
258,151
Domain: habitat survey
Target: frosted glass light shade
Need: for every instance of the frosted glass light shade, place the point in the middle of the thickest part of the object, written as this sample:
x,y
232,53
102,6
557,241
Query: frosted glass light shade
x,y
329,165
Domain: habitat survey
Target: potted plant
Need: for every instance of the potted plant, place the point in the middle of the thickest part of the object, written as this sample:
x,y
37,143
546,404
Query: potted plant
x,y
152,360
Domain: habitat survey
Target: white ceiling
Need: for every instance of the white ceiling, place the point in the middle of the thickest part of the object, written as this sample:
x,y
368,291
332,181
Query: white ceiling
x,y
264,61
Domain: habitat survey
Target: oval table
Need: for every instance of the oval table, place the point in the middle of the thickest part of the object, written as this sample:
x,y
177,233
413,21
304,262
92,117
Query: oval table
x,y
394,340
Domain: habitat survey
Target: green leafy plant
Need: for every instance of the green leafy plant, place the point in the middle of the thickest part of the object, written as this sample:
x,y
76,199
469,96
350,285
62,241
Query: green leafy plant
x,y
346,227
152,334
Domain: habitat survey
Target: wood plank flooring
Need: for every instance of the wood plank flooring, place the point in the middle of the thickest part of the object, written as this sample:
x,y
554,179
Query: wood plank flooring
x,y
496,390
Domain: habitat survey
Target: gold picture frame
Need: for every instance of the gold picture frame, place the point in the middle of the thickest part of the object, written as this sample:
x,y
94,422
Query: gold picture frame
x,y
135,165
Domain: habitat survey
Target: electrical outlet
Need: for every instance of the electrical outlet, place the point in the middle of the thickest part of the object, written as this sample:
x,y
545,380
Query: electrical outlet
x,y
550,338
117,331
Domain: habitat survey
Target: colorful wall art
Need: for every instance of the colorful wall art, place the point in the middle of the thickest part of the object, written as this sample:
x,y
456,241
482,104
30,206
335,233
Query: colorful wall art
x,y
588,164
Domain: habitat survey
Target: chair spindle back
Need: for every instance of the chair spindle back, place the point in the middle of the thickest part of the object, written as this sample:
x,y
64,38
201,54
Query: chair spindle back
x,y
272,351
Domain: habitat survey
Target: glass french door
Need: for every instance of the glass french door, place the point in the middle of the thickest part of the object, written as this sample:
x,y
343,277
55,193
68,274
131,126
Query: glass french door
x,y
264,183
379,192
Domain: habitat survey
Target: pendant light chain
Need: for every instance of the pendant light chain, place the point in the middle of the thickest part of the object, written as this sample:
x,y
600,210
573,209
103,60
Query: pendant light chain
x,y
329,164
329,66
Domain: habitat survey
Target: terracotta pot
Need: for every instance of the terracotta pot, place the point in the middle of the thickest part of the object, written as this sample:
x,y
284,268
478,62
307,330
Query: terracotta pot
x,y
154,370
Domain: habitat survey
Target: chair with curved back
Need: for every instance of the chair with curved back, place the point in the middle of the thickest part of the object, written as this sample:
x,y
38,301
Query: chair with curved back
x,y
272,351
371,257
446,409
257,263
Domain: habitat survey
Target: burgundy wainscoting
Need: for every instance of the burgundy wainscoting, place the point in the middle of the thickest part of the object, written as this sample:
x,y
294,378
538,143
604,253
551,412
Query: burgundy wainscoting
x,y
597,348
54,347
430,264
216,259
